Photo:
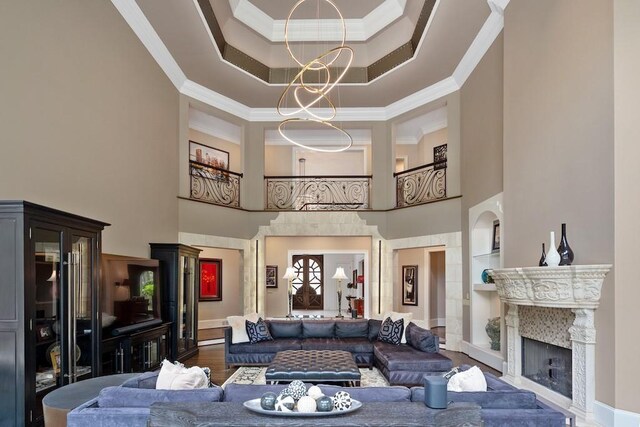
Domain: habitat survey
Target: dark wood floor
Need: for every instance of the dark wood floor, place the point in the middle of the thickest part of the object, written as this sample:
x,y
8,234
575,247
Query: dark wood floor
x,y
212,356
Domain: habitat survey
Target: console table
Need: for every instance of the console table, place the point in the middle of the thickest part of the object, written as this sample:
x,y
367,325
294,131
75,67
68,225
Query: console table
x,y
372,414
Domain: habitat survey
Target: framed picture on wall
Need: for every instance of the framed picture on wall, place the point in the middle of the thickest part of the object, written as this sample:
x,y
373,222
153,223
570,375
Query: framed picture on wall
x,y
210,279
440,157
272,276
209,156
495,242
409,285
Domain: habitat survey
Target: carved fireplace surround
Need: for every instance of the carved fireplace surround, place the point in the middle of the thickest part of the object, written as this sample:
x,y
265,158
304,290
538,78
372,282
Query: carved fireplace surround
x,y
576,288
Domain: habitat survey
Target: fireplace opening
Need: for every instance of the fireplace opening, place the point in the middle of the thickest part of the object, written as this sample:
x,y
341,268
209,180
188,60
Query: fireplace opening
x,y
547,365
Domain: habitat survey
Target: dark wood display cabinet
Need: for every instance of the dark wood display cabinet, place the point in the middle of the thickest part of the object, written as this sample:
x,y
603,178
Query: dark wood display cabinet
x,y
137,352
49,318
181,280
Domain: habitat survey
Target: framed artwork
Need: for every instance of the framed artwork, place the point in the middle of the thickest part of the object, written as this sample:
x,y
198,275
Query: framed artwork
x,y
209,156
495,242
440,157
210,279
54,355
354,279
44,332
409,285
272,276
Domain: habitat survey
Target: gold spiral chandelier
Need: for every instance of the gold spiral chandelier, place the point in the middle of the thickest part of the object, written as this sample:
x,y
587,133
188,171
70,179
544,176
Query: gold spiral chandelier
x,y
317,92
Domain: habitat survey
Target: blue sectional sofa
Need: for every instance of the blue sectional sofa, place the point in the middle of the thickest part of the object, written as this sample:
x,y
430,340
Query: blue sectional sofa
x,y
403,364
129,405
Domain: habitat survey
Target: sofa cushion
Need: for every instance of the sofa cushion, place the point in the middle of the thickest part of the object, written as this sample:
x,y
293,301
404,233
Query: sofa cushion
x,y
390,331
422,339
374,329
127,397
352,328
239,327
258,331
175,376
406,358
318,328
285,328
272,346
144,380
243,392
353,345
404,316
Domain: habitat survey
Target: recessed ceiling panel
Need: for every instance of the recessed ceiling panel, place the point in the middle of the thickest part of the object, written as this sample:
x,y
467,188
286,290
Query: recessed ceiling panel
x,y
350,9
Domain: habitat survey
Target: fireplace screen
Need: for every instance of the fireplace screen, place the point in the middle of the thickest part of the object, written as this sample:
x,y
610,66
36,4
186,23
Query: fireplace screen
x,y
548,365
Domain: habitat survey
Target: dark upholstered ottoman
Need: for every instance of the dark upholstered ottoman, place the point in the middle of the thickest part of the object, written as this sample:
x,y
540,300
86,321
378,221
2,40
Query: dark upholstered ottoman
x,y
315,366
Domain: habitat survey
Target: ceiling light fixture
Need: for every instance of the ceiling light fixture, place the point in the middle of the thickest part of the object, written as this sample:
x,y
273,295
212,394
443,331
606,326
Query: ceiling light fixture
x,y
320,65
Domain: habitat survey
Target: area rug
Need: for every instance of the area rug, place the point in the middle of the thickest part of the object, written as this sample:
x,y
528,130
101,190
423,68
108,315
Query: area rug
x,y
255,375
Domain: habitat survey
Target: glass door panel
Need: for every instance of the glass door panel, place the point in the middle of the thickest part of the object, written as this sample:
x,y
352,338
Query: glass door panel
x,y
81,307
191,292
182,304
48,322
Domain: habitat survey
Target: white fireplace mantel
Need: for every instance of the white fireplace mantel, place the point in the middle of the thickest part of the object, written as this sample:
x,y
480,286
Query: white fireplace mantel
x,y
576,287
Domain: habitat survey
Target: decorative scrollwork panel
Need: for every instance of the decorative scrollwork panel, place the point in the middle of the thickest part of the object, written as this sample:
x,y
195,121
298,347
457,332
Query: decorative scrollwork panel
x,y
422,185
317,193
216,186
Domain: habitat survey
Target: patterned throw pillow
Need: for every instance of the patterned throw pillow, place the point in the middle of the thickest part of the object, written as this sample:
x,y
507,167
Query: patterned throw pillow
x,y
391,331
258,331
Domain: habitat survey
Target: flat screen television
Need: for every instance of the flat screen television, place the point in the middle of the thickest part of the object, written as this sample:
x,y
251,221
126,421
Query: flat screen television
x,y
130,291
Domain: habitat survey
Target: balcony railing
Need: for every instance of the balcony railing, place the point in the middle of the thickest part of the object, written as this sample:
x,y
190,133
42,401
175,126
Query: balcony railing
x,y
421,184
335,192
214,185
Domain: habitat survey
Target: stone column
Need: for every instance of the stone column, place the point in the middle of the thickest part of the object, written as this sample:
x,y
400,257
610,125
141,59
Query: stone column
x,y
514,344
583,347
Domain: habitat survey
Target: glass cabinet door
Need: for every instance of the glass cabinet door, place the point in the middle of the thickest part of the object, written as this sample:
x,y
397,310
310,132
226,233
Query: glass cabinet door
x,y
80,308
48,321
182,304
191,302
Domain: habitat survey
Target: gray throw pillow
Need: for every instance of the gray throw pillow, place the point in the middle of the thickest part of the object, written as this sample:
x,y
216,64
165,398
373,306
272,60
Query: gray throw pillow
x,y
422,339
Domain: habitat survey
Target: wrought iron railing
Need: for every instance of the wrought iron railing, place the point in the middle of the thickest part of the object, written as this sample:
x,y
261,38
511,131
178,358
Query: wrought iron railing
x,y
214,185
421,184
331,192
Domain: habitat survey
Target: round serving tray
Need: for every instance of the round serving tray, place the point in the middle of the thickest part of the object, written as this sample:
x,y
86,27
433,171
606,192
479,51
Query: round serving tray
x,y
254,405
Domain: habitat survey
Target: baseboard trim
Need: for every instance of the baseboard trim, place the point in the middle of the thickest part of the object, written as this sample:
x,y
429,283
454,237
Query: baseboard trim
x,y
211,342
609,416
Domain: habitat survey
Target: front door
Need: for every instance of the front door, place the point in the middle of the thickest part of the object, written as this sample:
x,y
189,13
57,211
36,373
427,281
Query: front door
x,y
308,283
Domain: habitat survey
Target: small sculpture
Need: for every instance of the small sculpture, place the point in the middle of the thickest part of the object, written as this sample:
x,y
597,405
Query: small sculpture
x,y
493,330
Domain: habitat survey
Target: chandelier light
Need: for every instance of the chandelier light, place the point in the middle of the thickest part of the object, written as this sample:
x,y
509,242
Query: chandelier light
x,y
317,92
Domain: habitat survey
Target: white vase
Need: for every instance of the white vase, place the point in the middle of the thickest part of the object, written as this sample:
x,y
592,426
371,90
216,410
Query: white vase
x,y
553,257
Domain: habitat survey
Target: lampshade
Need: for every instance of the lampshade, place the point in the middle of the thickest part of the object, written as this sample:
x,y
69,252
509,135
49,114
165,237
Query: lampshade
x,y
289,274
54,275
340,274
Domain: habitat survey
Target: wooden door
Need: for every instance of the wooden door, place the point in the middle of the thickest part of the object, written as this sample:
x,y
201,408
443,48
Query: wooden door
x,y
308,292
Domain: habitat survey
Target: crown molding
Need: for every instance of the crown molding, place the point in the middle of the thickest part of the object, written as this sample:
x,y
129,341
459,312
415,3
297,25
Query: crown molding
x,y
317,137
150,39
214,126
413,130
301,30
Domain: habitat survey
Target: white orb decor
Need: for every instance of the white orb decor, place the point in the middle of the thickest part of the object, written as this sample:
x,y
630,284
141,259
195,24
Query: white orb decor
x,y
315,392
342,401
285,403
296,389
307,404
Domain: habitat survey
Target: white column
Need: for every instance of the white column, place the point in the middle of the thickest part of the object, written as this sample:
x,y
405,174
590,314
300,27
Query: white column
x,y
514,344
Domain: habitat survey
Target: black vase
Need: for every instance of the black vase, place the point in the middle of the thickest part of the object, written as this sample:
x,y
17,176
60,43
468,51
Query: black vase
x,y
543,262
566,254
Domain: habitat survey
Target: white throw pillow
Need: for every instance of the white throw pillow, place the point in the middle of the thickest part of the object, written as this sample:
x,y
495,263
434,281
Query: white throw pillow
x,y
177,377
238,327
470,380
395,316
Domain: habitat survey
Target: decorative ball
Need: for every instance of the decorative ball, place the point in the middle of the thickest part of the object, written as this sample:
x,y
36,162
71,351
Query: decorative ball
x,y
342,401
296,389
285,403
315,392
268,401
485,276
324,404
307,404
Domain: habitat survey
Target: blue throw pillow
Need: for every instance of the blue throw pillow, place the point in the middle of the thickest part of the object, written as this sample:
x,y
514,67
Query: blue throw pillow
x,y
390,331
258,331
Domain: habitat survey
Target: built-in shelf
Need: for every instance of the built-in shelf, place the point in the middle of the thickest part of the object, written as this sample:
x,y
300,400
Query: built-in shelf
x,y
490,255
484,287
483,353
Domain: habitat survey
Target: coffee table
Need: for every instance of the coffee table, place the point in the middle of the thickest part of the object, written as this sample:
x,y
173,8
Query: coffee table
x,y
314,366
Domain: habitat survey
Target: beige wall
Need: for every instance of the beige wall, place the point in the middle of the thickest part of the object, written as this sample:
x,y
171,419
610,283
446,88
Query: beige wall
x,y
232,289
627,205
481,146
89,121
558,145
276,253
428,142
410,152
278,160
235,156
437,287
406,257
